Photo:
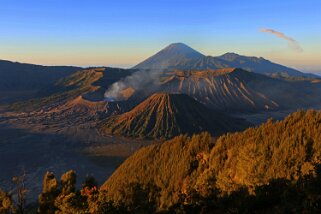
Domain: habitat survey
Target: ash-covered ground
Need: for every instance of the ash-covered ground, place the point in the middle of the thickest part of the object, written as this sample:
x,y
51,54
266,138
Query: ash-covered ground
x,y
27,144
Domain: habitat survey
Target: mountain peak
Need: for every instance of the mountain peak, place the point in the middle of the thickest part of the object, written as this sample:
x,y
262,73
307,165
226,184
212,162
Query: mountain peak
x,y
230,56
170,56
180,50
179,45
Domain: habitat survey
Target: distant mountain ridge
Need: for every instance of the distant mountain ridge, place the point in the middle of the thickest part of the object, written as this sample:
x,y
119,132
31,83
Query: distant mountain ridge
x,y
180,56
23,76
15,75
90,84
226,90
237,90
22,81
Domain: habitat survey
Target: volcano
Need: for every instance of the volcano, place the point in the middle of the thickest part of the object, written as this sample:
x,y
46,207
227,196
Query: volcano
x,y
182,57
165,115
237,90
223,90
171,56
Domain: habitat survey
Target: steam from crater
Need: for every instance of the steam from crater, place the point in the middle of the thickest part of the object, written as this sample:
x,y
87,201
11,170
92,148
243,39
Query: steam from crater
x,y
140,80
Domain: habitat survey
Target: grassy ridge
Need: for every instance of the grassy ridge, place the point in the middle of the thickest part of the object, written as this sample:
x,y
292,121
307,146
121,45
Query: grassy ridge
x,y
190,169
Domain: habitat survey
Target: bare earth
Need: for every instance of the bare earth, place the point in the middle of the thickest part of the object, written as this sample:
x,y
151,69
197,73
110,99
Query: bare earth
x,y
29,144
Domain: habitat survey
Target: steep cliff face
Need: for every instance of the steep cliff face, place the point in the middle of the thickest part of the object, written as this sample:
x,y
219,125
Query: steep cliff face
x,y
226,89
242,91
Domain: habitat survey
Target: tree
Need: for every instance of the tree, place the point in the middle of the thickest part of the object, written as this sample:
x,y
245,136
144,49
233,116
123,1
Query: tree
x,y
49,193
68,182
69,200
90,193
21,192
6,203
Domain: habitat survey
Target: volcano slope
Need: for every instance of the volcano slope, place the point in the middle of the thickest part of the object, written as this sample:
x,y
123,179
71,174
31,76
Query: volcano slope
x,y
165,115
237,90
89,84
76,100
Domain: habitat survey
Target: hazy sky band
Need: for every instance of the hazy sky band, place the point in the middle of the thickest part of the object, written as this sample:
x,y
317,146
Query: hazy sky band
x,y
124,33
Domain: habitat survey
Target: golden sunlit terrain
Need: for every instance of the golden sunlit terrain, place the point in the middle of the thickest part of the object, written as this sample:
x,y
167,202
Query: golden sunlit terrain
x,y
142,107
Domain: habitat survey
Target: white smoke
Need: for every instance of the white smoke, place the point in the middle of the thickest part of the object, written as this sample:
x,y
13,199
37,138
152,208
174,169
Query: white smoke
x,y
292,42
140,80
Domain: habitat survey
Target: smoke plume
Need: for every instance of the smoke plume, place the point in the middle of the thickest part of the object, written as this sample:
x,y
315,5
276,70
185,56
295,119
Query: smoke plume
x,y
292,42
140,80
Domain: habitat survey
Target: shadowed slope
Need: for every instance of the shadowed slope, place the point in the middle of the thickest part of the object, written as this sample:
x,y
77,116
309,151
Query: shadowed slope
x,y
90,84
14,75
21,81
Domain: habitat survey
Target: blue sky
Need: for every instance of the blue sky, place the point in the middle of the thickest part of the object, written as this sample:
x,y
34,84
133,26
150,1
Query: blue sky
x,y
123,33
